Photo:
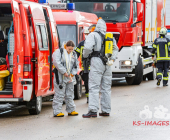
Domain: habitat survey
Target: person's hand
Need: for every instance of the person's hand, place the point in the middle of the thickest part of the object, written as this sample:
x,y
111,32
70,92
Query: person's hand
x,y
109,63
66,75
70,79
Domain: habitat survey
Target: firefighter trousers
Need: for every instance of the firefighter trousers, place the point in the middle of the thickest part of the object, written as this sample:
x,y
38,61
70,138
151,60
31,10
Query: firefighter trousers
x,y
163,67
85,78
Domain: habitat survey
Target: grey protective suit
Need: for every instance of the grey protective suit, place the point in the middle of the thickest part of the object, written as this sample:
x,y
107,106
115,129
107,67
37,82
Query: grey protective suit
x,y
100,75
68,88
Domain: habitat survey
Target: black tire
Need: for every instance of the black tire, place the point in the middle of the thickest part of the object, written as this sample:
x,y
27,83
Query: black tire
x,y
137,79
78,88
151,75
35,105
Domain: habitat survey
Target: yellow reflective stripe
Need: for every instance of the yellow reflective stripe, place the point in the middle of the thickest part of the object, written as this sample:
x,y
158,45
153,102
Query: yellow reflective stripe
x,y
154,46
165,78
168,43
163,58
81,55
158,53
153,54
77,50
159,73
87,94
81,52
166,50
83,67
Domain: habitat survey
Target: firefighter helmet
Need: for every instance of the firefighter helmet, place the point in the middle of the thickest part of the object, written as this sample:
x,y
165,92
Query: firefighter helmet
x,y
163,31
92,28
86,31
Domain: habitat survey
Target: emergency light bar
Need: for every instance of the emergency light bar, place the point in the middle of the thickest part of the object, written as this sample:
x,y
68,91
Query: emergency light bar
x,y
63,6
38,1
43,1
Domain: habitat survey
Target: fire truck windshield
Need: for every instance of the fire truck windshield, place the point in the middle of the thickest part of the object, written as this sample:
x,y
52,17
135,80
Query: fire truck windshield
x,y
66,33
109,11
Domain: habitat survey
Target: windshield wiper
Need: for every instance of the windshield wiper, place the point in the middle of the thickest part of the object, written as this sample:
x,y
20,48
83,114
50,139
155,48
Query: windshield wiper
x,y
114,21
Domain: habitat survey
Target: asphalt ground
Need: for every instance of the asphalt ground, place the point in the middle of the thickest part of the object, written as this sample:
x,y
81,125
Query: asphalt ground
x,y
139,112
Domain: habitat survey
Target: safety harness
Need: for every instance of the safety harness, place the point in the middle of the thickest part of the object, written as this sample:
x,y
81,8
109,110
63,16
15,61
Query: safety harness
x,y
101,53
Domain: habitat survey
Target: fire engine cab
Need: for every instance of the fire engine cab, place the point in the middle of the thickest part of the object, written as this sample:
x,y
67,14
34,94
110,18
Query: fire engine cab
x,y
70,25
134,24
28,34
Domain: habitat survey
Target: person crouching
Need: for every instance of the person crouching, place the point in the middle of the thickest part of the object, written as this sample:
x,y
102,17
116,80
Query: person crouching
x,y
66,67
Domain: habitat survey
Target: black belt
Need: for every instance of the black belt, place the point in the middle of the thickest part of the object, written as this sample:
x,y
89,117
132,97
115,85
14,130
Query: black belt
x,y
98,54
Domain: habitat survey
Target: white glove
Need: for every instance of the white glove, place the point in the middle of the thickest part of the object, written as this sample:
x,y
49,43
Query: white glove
x,y
110,62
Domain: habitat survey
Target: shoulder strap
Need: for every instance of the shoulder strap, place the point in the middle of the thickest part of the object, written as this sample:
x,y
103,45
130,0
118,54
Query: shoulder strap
x,y
61,51
102,36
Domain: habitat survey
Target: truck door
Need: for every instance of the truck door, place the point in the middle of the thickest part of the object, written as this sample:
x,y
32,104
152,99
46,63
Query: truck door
x,y
17,45
42,65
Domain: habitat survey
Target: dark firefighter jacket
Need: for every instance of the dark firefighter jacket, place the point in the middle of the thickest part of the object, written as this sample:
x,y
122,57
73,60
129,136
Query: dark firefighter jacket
x,y
79,51
161,48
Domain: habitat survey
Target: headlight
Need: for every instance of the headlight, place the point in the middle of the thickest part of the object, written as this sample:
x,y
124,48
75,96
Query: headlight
x,y
128,63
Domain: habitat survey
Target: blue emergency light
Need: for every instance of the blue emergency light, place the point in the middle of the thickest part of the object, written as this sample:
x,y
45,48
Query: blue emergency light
x,y
70,6
168,31
43,1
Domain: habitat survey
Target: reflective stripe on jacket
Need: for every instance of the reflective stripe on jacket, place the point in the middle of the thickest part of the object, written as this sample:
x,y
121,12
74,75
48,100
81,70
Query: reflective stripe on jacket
x,y
161,48
79,51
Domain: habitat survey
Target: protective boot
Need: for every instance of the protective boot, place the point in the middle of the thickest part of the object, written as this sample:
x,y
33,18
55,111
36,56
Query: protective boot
x,y
90,114
158,82
104,114
165,85
87,100
87,95
59,115
73,113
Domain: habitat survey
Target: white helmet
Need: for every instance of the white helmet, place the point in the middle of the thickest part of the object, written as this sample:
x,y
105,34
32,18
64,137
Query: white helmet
x,y
163,31
86,31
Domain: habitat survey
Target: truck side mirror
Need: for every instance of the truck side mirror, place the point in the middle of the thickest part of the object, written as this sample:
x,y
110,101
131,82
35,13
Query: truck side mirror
x,y
140,12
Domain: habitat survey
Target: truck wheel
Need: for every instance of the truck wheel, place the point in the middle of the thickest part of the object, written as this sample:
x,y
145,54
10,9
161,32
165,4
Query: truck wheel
x,y
152,75
35,105
137,79
78,88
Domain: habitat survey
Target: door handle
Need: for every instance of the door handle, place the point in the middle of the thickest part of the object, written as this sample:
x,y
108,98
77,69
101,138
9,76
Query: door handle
x,y
48,59
34,59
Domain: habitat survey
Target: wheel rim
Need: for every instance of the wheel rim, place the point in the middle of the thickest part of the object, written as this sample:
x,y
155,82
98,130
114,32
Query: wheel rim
x,y
39,103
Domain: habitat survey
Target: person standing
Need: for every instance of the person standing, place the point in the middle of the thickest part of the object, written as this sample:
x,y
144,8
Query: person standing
x,y
85,65
161,49
100,75
66,67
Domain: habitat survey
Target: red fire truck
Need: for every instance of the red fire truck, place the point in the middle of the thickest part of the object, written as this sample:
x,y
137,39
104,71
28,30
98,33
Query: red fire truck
x,y
70,26
29,33
134,24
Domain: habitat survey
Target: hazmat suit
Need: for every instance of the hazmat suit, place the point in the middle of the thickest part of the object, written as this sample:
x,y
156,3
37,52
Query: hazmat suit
x,y
100,75
64,63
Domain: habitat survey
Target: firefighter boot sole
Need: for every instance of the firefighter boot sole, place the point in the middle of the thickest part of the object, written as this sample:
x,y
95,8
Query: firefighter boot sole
x,y
89,115
93,116
158,83
73,115
104,114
